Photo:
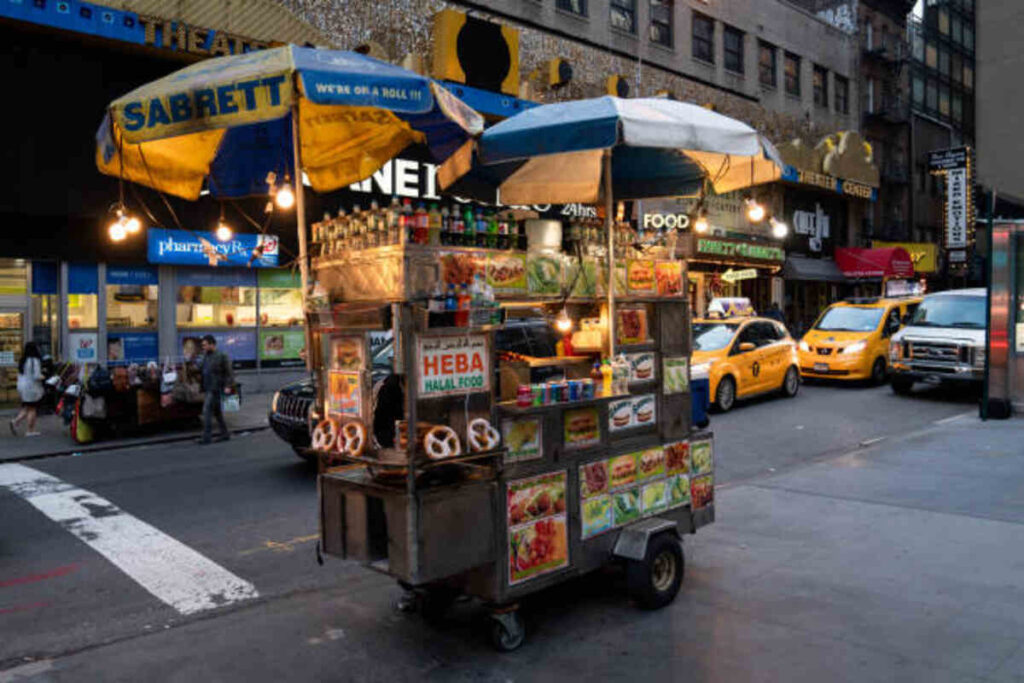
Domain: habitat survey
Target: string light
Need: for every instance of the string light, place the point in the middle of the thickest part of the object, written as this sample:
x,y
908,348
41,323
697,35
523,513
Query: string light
x,y
701,225
223,232
133,225
563,323
117,230
123,225
755,212
285,197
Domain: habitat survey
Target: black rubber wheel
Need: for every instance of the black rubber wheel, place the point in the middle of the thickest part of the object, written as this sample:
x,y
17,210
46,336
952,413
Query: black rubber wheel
x,y
879,372
508,633
725,394
791,382
435,602
902,385
654,582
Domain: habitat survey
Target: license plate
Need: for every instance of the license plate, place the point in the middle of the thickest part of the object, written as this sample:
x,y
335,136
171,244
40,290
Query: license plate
x,y
932,379
821,367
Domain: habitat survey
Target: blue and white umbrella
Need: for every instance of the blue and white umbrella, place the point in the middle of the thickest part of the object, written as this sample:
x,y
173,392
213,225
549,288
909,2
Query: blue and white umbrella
x,y
557,153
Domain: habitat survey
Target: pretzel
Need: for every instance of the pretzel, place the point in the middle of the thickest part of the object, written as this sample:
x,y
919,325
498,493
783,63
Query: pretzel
x,y
352,439
482,436
442,442
325,435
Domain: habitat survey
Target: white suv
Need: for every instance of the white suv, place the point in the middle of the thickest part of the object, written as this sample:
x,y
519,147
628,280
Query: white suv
x,y
944,341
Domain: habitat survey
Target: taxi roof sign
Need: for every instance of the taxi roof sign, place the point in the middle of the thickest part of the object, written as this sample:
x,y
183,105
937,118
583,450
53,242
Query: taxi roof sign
x,y
730,307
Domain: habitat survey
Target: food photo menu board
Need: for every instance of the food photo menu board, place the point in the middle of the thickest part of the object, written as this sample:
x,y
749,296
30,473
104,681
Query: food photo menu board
x,y
622,489
538,538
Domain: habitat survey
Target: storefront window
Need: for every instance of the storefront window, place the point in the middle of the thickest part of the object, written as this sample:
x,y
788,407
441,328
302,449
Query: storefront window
x,y
132,306
280,299
214,306
82,311
13,276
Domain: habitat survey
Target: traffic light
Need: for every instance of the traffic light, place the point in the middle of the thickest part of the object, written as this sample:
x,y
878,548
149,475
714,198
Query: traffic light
x,y
478,53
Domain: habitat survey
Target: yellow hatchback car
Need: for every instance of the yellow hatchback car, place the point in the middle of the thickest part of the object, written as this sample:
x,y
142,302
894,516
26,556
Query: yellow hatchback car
x,y
850,339
745,357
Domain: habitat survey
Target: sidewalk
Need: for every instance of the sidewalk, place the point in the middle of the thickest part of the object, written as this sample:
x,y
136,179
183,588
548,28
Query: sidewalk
x,y
56,439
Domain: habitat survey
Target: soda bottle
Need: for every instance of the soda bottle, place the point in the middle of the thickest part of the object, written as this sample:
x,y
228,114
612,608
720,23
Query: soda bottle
x,y
492,230
394,214
408,224
340,240
469,228
481,228
434,226
446,226
458,226
463,303
374,238
420,225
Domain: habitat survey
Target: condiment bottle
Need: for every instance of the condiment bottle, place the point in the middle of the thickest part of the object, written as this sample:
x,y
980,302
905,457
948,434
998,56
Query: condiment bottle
x,y
434,226
606,377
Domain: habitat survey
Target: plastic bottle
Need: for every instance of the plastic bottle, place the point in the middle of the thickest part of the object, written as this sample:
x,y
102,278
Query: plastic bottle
x,y
606,378
450,300
621,375
469,228
481,229
492,230
341,229
420,225
394,215
374,237
408,222
446,226
433,226
458,226
464,302
436,303
595,372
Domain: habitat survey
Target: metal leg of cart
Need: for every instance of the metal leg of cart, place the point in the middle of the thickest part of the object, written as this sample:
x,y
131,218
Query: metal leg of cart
x,y
507,630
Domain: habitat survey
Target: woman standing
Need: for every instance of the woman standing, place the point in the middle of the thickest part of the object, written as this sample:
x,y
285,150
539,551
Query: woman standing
x,y
30,387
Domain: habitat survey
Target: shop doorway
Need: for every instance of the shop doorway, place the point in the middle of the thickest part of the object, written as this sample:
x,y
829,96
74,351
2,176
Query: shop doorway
x,y
12,341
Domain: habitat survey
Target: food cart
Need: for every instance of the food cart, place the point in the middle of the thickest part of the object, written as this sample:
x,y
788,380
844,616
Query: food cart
x,y
505,486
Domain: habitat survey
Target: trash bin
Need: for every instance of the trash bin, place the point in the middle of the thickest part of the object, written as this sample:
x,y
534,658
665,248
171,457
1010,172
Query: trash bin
x,y
700,400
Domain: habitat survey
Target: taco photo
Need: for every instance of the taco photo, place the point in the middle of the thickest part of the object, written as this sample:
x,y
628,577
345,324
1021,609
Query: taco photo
x,y
626,506
679,490
507,272
595,515
654,497
701,461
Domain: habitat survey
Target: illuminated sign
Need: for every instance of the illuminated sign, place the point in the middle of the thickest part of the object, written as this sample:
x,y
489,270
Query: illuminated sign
x,y
736,249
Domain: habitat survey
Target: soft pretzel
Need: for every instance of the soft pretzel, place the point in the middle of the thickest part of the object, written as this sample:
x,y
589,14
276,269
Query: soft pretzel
x,y
325,435
482,436
352,439
442,442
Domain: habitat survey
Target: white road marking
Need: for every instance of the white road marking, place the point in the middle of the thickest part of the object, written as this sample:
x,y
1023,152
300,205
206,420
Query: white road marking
x,y
167,568
867,442
954,418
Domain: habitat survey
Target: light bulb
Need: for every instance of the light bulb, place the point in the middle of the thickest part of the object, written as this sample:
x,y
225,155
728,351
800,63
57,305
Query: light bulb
x,y
285,197
133,225
563,323
117,230
701,224
223,232
779,229
755,212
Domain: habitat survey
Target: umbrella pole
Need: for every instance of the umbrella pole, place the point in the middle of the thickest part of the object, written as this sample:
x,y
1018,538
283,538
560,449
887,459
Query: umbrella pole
x,y
609,205
300,222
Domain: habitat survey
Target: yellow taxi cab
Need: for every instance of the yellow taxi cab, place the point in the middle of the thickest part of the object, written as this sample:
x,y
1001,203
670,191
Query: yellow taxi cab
x,y
850,339
744,356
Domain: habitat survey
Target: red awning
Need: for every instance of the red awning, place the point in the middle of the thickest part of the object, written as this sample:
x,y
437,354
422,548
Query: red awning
x,y
875,263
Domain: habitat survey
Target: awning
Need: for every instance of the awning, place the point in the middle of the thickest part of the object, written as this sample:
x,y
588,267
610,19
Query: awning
x,y
812,269
875,263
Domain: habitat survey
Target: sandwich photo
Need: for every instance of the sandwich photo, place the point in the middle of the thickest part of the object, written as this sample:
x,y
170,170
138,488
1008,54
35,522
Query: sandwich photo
x,y
643,409
677,457
620,414
593,478
622,470
581,427
640,276
642,366
669,276
632,325
652,463
506,272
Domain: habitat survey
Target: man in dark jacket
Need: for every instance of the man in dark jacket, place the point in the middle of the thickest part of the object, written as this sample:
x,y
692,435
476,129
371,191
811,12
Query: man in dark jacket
x,y
217,381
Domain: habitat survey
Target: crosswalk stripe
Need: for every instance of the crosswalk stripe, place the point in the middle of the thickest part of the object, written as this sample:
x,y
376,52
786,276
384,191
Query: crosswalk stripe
x,y
167,568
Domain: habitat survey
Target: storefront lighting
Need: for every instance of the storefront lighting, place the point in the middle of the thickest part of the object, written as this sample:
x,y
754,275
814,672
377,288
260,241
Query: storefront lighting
x,y
132,225
117,230
779,229
755,212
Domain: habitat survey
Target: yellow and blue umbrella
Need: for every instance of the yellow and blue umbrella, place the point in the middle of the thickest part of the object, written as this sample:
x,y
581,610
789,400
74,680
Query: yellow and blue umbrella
x,y
224,123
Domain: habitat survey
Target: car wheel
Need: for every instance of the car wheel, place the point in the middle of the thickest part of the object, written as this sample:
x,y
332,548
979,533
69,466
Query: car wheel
x,y
902,385
654,581
307,455
791,382
725,396
879,372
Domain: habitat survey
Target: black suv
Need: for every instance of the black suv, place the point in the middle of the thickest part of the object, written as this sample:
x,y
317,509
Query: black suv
x,y
289,409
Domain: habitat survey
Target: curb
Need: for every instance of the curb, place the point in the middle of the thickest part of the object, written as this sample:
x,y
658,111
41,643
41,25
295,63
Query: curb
x,y
101,447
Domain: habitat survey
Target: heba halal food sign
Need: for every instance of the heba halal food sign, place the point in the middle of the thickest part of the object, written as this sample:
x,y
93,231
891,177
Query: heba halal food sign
x,y
458,364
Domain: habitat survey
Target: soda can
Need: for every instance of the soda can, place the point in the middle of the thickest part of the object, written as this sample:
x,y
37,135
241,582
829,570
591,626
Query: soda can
x,y
539,393
575,387
588,389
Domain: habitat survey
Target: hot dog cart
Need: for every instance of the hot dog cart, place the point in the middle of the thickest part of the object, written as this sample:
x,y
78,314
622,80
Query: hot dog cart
x,y
507,485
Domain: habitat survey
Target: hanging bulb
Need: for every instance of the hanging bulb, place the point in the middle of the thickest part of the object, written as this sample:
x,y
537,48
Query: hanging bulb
x,y
701,225
563,323
755,212
779,229
117,230
132,225
285,197
224,232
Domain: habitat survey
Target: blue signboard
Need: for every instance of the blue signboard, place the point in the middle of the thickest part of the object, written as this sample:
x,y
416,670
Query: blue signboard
x,y
239,345
132,275
83,278
185,248
224,277
132,347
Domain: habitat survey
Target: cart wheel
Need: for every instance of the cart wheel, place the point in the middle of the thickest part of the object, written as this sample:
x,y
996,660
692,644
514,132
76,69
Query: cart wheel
x,y
654,581
507,631
434,603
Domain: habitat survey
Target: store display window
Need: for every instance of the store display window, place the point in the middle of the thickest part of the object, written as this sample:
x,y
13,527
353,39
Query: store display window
x,y
83,303
216,299
132,297
45,307
280,295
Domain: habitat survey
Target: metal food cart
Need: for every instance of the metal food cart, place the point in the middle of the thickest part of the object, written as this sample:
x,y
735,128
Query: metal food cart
x,y
572,484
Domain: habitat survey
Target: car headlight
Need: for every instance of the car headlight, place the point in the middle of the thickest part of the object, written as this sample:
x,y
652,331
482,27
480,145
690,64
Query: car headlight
x,y
895,351
979,356
701,370
273,401
804,346
856,347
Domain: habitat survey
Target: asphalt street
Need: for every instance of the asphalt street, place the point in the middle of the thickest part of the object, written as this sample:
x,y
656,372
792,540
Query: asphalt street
x,y
74,605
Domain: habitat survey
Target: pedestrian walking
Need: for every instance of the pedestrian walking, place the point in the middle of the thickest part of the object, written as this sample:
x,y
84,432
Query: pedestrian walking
x,y
30,388
218,380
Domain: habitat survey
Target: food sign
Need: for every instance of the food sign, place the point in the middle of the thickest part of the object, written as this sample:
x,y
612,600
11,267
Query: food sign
x,y
676,372
457,364
538,538
523,439
344,393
